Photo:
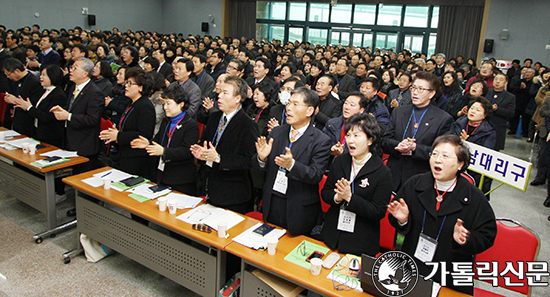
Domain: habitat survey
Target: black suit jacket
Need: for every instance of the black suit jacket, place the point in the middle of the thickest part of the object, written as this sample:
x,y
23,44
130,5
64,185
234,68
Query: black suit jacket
x,y
27,87
372,193
435,122
166,69
229,181
82,131
49,129
179,163
328,109
346,85
311,153
251,80
506,103
4,83
139,120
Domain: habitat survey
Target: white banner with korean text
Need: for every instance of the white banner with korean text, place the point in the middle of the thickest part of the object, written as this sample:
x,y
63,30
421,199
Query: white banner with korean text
x,y
498,166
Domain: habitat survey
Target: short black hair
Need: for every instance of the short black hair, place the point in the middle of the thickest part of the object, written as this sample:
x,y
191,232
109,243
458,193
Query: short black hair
x,y
201,57
188,64
55,74
154,62
267,63
290,66
141,78
82,48
176,93
240,64
266,89
220,52
368,124
374,81
332,81
487,106
363,101
105,69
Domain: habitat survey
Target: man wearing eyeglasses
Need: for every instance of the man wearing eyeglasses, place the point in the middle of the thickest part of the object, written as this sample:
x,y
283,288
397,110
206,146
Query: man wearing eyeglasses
x,y
485,73
82,115
295,158
413,129
25,86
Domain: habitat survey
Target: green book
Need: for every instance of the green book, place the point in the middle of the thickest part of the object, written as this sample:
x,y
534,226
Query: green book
x,y
43,163
300,254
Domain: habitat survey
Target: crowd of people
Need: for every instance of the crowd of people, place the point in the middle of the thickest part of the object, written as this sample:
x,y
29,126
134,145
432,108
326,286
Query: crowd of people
x,y
257,124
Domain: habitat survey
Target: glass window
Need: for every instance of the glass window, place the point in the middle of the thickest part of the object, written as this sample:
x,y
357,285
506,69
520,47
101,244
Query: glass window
x,y
364,14
262,31
389,15
435,17
262,10
431,44
317,36
357,39
295,34
367,40
341,13
318,12
414,43
277,32
271,10
416,16
345,38
297,11
335,38
386,40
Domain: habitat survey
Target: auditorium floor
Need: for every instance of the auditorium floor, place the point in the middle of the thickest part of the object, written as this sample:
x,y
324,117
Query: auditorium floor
x,y
29,269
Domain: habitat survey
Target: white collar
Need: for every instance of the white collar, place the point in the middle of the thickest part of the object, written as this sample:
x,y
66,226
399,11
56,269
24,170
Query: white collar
x,y
82,85
47,51
232,114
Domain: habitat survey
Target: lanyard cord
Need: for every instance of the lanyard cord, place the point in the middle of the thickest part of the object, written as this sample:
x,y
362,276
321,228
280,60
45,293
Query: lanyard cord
x,y
416,124
440,228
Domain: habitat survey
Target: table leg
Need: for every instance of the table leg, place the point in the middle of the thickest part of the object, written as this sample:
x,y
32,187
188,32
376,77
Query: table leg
x,y
51,213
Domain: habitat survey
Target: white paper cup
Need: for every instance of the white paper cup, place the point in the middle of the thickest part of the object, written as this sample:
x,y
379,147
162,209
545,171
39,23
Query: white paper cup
x,y
222,227
162,203
106,182
32,148
172,206
272,245
316,266
2,136
25,147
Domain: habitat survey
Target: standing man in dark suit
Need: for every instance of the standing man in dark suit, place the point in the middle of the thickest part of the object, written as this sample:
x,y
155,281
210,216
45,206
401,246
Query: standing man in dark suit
x,y
82,115
295,158
25,86
504,107
329,107
217,66
413,129
164,67
261,72
227,150
345,83
277,114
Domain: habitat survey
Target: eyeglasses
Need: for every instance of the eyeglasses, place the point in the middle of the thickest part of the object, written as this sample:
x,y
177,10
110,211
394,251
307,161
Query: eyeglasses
x,y
8,73
342,280
130,83
302,248
419,89
435,155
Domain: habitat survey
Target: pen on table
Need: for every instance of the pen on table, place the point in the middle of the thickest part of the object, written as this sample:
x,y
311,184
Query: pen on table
x,y
106,174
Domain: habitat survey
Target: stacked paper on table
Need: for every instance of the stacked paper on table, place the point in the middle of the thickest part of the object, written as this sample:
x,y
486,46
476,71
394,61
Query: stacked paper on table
x,y
144,191
116,175
211,216
255,241
10,134
60,153
184,201
18,143
43,163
